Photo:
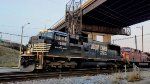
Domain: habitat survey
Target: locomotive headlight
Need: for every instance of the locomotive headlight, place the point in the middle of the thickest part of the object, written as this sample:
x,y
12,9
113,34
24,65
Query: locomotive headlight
x,y
28,52
49,46
37,65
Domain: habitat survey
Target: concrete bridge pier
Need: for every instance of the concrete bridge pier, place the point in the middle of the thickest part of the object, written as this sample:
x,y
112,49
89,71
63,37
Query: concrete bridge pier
x,y
107,38
93,37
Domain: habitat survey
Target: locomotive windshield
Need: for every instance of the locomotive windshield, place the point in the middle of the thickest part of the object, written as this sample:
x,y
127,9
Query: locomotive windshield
x,y
50,35
46,34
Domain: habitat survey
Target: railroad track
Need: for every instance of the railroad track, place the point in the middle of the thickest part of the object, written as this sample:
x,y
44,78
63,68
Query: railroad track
x,y
20,76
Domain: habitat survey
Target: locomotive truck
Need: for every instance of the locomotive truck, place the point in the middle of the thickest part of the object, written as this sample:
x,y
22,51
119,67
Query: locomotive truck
x,y
51,50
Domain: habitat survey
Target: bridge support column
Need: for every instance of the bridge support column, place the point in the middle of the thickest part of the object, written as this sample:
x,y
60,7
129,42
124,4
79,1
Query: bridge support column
x,y
107,38
92,36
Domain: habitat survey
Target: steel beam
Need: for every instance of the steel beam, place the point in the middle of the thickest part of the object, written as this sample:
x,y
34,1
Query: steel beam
x,y
92,6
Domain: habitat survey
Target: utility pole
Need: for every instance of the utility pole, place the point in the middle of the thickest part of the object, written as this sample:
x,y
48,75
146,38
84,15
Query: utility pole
x,y
142,40
135,42
135,47
22,37
142,43
21,40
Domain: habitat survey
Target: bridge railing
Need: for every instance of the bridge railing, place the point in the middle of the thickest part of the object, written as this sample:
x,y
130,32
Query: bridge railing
x,y
126,31
73,5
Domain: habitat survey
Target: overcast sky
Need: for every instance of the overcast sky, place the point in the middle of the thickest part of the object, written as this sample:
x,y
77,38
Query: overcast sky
x,y
43,14
40,13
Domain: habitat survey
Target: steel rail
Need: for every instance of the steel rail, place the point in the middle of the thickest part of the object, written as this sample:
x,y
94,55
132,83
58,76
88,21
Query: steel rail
x,y
9,77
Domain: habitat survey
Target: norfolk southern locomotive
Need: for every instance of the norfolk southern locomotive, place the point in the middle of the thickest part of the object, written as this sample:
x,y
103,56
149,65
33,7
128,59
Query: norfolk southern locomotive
x,y
51,50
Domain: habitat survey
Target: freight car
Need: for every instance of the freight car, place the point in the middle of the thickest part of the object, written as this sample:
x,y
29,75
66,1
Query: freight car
x,y
138,57
52,50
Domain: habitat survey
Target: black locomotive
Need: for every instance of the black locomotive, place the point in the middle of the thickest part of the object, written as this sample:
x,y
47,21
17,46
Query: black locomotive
x,y
52,50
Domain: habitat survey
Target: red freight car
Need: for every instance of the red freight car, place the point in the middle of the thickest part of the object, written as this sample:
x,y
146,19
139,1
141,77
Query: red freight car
x,y
133,55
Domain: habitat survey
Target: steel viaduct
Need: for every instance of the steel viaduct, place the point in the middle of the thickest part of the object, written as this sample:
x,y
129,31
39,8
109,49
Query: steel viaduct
x,y
105,17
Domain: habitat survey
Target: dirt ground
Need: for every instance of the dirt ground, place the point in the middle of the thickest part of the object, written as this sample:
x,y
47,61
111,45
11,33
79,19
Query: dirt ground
x,y
145,75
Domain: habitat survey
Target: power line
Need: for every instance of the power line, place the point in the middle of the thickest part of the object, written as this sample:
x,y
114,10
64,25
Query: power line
x,y
8,26
130,37
12,34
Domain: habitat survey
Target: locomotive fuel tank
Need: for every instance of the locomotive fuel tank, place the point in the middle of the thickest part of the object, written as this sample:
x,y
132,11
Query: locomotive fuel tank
x,y
96,65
